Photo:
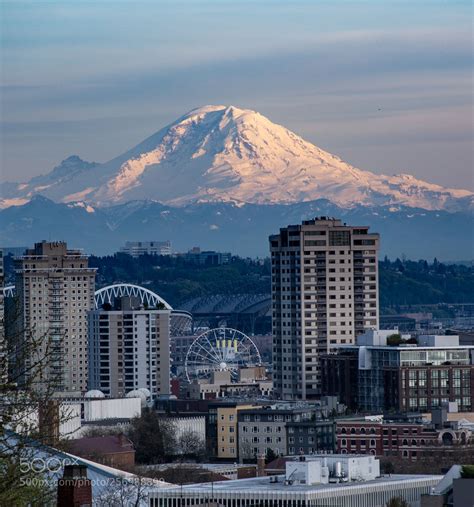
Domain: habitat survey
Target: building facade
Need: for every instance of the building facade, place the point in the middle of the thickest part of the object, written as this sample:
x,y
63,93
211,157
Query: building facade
x,y
222,427
207,257
403,378
252,383
227,428
403,439
310,437
55,291
261,429
179,349
129,348
138,248
3,345
339,375
324,294
317,481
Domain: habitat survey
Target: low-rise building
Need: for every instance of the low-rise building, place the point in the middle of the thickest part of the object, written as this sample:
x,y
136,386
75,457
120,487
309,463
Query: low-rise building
x,y
222,428
265,428
207,257
109,409
404,438
374,376
116,451
310,437
316,482
138,248
252,383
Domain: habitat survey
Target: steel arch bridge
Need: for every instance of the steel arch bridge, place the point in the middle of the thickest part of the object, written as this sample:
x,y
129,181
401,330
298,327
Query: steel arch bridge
x,y
146,296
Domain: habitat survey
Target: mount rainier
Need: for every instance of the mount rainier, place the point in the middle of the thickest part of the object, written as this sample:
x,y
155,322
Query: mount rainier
x,y
225,178
222,154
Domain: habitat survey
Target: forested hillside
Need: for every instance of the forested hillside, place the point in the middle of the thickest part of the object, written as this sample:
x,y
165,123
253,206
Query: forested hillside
x,y
420,282
177,280
401,282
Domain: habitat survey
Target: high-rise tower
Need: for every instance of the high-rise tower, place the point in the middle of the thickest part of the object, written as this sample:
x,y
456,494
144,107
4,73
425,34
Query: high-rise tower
x,y
55,288
129,348
3,346
324,293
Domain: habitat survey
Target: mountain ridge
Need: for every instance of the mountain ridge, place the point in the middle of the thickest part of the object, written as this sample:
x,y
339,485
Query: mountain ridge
x,y
227,154
225,226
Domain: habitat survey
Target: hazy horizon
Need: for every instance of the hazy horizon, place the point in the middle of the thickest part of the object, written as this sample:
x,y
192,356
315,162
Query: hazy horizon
x,y
387,86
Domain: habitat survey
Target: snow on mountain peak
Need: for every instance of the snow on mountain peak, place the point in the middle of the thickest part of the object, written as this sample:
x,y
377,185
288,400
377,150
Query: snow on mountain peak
x,y
224,153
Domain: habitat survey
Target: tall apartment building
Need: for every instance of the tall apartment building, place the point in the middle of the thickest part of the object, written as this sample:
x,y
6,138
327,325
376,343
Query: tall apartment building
x,y
129,348
137,248
3,348
324,294
55,289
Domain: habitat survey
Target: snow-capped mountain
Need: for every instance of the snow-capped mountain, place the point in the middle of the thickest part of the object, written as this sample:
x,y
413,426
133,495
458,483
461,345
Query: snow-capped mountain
x,y
222,154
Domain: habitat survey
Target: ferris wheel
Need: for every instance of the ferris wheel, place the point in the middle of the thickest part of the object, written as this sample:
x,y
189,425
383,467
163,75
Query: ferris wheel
x,y
220,349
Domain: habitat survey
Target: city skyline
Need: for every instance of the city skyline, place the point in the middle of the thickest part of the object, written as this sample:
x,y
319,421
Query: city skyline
x,y
237,253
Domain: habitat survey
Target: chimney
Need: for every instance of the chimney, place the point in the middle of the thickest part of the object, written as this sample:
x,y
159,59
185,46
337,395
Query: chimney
x,y
261,465
48,421
74,488
123,440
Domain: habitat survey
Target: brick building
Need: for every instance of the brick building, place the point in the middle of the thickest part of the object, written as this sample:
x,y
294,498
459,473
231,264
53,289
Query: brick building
x,y
376,377
116,451
410,440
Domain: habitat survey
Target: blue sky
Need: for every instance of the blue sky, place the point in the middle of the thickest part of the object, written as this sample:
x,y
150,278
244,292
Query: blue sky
x,y
385,85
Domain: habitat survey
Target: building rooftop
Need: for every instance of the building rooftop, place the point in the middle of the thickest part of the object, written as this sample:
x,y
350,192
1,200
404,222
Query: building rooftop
x,y
107,444
261,484
404,347
278,410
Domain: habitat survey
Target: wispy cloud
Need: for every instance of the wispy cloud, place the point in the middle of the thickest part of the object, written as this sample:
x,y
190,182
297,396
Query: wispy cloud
x,y
362,79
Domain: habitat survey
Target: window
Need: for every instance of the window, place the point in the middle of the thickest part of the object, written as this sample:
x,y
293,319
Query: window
x,y
339,238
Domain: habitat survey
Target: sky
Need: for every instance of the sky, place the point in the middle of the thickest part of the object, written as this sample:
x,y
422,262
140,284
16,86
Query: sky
x,y
387,86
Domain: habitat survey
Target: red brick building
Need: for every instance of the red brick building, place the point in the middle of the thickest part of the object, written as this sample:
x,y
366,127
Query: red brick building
x,y
116,451
408,440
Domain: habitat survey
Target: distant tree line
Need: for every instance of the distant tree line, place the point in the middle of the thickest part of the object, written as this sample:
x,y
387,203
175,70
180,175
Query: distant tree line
x,y
402,282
